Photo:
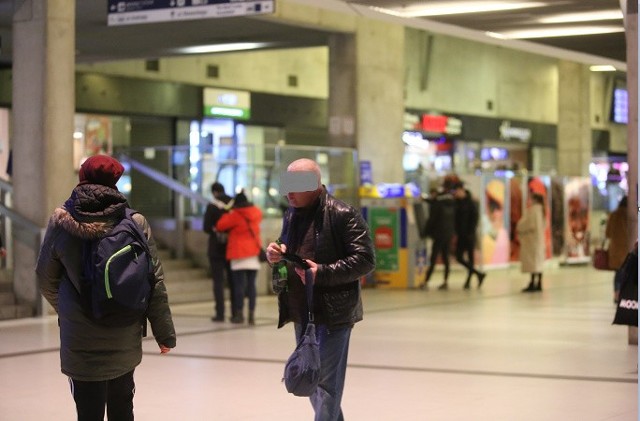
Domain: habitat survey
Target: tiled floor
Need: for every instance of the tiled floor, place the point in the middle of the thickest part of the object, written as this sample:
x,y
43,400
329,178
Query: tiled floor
x,y
494,354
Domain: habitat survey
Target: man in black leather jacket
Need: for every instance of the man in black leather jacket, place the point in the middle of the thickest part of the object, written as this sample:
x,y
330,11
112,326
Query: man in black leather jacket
x,y
334,240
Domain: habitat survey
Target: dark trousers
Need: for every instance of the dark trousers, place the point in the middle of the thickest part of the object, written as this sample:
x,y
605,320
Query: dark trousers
x,y
439,247
220,272
116,394
468,248
244,285
334,350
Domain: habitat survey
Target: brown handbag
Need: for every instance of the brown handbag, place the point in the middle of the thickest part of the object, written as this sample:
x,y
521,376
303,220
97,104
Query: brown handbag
x,y
601,258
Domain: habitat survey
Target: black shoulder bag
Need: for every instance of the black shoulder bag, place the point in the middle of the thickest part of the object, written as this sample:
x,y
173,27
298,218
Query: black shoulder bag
x,y
302,370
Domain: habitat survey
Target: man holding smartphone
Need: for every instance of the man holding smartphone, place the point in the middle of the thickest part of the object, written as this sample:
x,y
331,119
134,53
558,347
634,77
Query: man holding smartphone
x,y
334,241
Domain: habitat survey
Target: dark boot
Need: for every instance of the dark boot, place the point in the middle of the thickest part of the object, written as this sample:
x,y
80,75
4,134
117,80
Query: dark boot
x,y
467,283
252,320
539,284
237,318
532,285
481,276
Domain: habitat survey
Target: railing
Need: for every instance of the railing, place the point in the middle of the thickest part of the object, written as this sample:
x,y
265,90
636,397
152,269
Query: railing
x,y
29,232
180,191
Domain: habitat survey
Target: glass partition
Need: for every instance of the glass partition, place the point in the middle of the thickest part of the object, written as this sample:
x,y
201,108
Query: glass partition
x,y
252,167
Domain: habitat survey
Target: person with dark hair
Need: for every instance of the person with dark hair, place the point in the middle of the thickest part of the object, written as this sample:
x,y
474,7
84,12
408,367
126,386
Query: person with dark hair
x,y
242,223
617,231
466,223
532,245
99,359
334,240
217,248
441,228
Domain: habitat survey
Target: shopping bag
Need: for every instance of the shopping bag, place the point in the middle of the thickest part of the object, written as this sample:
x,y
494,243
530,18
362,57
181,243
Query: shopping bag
x,y
302,370
627,309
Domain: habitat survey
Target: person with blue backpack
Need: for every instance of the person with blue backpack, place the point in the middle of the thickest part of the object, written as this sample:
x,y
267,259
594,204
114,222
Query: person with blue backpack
x,y
98,268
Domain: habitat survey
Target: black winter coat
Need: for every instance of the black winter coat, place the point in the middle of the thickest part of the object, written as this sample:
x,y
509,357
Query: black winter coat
x,y
344,252
89,351
217,248
467,217
441,225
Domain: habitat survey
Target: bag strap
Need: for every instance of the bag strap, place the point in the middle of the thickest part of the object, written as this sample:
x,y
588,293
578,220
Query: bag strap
x,y
308,286
253,234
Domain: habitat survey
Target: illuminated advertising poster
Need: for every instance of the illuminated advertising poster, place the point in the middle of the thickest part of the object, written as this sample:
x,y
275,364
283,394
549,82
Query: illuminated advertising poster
x,y
577,204
495,242
92,136
132,12
383,223
4,143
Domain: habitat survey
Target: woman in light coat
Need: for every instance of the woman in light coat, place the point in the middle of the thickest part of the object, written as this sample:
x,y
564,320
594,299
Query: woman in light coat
x,y
530,230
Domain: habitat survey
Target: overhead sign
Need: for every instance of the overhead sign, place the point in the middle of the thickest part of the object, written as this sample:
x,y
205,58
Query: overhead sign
x,y
507,132
132,12
226,103
433,123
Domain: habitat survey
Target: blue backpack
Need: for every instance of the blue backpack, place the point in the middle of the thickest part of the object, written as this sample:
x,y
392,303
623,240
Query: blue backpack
x,y
118,274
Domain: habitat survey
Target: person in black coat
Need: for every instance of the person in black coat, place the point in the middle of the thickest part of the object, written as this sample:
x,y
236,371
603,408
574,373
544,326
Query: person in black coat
x,y
334,240
99,360
441,228
467,216
217,248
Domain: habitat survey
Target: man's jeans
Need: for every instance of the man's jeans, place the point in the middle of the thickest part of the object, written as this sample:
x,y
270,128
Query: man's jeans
x,y
334,348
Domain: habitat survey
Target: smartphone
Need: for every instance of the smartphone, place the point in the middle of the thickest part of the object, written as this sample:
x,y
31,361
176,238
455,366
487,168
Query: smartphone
x,y
296,260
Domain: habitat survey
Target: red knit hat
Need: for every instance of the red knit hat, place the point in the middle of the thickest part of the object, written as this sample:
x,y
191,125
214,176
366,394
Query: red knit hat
x,y
101,169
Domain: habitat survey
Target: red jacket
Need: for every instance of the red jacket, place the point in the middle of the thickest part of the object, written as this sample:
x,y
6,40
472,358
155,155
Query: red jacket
x,y
241,242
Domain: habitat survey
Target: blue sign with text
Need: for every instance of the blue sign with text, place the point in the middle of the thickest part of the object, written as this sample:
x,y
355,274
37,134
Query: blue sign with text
x,y
131,12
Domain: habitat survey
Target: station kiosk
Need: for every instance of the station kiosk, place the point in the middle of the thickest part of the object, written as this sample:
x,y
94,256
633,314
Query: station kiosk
x,y
401,255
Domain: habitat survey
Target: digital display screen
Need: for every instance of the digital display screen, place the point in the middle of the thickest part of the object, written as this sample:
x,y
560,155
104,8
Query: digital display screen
x,y
620,106
494,154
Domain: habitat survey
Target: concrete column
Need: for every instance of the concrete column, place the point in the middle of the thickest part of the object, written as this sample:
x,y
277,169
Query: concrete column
x,y
342,90
631,31
366,104
574,127
43,106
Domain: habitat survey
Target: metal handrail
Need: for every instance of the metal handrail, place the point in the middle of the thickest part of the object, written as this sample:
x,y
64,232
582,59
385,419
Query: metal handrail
x,y
176,187
164,179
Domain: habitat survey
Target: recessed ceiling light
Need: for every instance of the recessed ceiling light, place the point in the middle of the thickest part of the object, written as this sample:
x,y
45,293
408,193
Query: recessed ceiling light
x,y
602,68
614,14
222,48
457,7
561,32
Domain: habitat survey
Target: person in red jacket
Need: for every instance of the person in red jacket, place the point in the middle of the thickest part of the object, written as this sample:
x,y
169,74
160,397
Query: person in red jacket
x,y
243,248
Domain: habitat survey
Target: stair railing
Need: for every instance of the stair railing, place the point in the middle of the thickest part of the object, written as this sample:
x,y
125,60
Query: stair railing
x,y
181,191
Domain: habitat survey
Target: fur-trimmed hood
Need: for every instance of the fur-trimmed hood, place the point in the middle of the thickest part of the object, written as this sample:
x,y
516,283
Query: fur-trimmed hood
x,y
84,230
91,211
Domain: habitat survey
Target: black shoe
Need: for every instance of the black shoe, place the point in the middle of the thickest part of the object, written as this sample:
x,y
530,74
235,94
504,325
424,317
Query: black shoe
x,y
481,276
530,288
237,319
217,319
467,284
443,287
423,286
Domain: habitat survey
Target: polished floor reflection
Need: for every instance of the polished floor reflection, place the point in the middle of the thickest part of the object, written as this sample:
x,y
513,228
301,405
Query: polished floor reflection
x,y
494,354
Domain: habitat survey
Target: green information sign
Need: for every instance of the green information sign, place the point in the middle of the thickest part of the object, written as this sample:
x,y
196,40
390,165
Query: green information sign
x,y
384,229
